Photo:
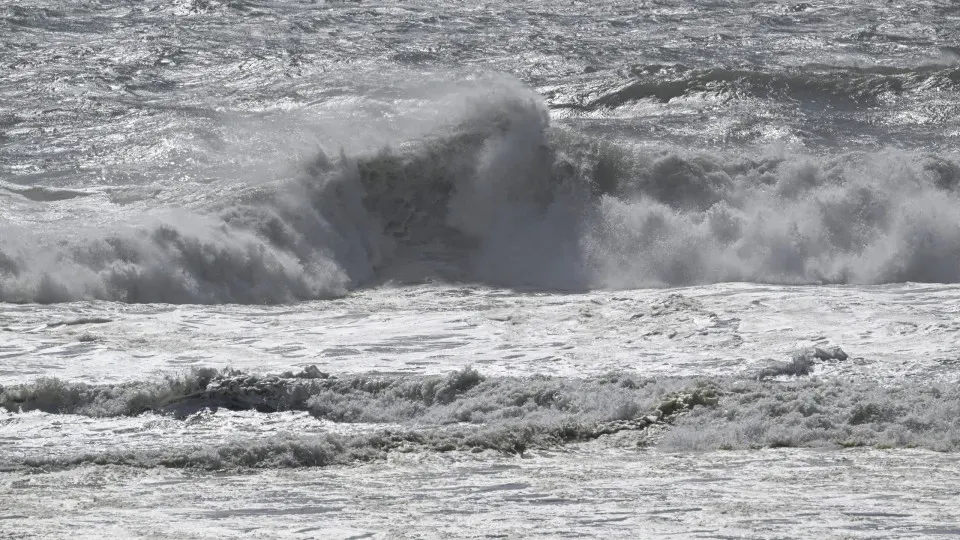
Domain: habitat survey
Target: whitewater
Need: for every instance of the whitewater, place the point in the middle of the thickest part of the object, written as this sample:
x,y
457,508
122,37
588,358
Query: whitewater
x,y
316,269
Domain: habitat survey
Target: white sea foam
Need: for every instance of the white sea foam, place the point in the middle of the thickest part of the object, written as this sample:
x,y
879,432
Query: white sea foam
x,y
466,410
498,196
271,152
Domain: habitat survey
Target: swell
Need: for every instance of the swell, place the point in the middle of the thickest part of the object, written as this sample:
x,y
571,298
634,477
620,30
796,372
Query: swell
x,y
498,196
839,87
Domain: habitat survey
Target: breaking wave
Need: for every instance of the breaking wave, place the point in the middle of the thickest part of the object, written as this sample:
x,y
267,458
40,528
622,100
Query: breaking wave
x,y
461,411
467,411
499,196
462,396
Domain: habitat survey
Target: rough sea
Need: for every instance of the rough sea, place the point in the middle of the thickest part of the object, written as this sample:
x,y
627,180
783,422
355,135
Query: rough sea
x,y
544,269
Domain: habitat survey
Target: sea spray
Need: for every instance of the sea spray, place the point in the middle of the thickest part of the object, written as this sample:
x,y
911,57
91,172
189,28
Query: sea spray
x,y
498,196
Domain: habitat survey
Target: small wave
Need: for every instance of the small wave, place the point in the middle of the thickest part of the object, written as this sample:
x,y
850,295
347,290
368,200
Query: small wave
x,y
802,363
848,87
824,413
321,451
467,411
464,396
461,411
43,193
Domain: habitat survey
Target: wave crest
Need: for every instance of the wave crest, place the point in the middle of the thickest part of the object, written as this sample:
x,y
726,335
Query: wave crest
x,y
498,196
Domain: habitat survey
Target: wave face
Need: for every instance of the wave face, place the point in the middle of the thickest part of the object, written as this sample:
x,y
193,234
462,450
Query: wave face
x,y
499,196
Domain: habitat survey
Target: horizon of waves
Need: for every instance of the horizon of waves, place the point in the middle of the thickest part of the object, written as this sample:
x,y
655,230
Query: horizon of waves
x,y
502,198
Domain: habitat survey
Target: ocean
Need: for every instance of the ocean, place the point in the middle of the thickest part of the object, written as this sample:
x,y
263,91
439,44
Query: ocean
x,y
316,269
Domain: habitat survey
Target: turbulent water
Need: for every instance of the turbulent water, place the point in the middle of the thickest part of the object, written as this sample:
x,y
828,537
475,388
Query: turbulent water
x,y
571,268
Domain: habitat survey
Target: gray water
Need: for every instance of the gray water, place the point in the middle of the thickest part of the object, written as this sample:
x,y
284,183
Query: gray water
x,y
304,256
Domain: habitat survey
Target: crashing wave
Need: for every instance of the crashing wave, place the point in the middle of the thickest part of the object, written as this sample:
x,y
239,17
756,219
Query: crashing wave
x,y
501,197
